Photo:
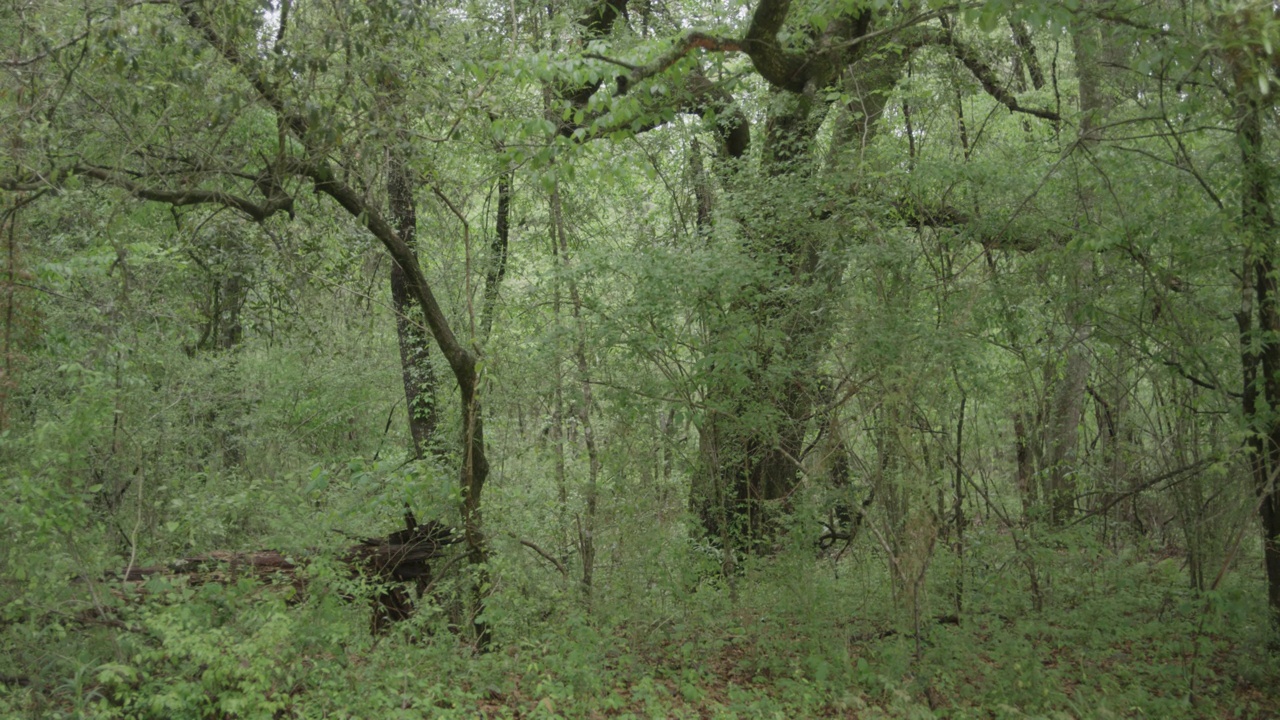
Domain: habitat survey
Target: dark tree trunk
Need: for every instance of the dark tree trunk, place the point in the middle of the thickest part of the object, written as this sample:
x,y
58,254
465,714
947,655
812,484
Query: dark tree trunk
x,y
419,375
498,251
752,441
1259,322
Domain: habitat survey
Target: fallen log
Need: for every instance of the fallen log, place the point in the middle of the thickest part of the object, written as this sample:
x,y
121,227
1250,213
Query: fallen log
x,y
404,557
218,566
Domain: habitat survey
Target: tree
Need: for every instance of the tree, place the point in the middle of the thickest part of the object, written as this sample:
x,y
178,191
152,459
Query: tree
x,y
293,135
760,394
1246,48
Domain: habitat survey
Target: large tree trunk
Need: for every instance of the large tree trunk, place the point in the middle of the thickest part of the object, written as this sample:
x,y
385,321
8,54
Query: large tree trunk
x,y
759,412
1259,323
760,409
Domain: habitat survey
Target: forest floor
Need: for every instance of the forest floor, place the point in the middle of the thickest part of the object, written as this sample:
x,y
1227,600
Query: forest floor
x,y
1119,637
1057,665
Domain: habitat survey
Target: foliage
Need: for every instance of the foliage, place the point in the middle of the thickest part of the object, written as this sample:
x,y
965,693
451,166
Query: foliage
x,y
948,394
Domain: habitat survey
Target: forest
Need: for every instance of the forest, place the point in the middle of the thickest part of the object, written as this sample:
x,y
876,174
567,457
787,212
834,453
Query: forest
x,y
639,359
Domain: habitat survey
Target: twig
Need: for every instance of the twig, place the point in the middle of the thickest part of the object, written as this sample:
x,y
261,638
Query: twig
x,y
611,61
1143,487
546,555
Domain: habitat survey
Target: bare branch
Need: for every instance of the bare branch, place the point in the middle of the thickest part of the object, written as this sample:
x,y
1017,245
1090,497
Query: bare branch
x,y
987,77
1177,367
671,57
611,61
24,184
546,555
1143,486
904,25
180,198
40,56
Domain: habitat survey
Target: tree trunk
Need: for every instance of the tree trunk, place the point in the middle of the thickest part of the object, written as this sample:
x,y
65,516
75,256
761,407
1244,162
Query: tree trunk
x,y
587,521
1067,405
1259,323
498,251
418,374
1067,411
753,437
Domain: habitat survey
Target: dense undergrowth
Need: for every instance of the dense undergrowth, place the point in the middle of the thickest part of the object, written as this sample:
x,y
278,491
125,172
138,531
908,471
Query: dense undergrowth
x,y
138,454
1119,635
1119,632
990,294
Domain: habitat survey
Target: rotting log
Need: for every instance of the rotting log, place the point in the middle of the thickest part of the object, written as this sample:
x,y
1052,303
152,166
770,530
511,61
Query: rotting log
x,y
392,562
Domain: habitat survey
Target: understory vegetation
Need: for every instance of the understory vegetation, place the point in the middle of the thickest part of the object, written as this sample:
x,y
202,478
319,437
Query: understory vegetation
x,y
612,358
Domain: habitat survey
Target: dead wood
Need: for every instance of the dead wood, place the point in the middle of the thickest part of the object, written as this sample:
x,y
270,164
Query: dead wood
x,y
391,562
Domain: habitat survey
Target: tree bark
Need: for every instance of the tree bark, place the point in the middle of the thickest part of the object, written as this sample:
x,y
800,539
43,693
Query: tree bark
x,y
1067,406
498,251
1259,325
753,438
418,373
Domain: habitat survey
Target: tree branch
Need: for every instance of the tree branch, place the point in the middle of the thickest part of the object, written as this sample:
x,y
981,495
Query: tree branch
x,y
90,21
546,555
275,203
682,47
27,184
40,56
611,61
1177,367
598,22
1142,487
777,66
232,55
987,78
700,96
321,174
1022,38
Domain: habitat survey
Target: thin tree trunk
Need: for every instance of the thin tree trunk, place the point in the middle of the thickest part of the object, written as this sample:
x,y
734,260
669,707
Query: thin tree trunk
x,y
9,227
1067,406
231,292
587,522
419,376
462,362
1022,38
1067,411
498,251
957,508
